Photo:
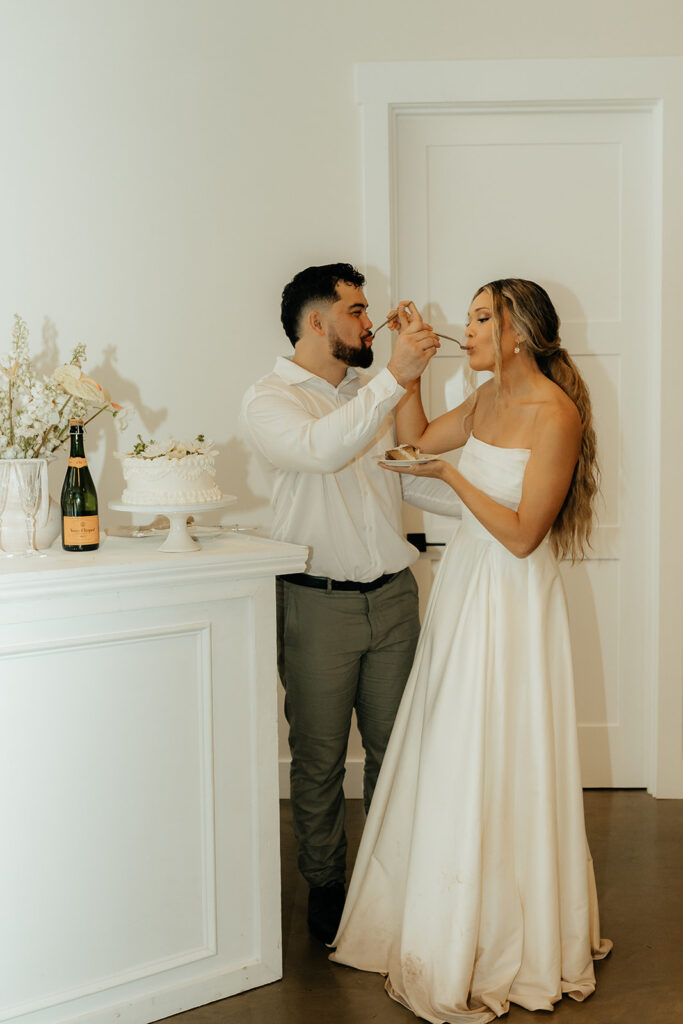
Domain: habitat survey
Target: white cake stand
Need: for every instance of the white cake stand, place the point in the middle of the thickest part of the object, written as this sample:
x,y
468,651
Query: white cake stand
x,y
179,538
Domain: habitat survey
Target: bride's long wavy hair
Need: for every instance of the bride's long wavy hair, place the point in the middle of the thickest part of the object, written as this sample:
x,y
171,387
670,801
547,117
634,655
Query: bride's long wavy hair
x,y
534,319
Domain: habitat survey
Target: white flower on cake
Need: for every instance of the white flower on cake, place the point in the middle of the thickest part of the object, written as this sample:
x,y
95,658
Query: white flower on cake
x,y
160,473
154,449
173,448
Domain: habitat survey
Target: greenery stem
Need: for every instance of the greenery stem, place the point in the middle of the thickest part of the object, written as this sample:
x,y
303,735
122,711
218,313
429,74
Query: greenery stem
x,y
85,423
11,416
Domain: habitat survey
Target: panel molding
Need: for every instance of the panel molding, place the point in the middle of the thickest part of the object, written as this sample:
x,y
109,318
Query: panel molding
x,y
55,999
628,106
201,632
114,638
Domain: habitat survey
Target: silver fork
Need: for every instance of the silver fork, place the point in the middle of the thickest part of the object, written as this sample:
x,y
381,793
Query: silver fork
x,y
446,336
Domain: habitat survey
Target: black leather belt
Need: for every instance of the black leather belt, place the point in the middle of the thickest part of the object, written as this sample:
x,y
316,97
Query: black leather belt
x,y
324,583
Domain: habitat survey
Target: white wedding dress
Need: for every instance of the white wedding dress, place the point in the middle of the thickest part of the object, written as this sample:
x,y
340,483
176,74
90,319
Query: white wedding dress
x,y
474,886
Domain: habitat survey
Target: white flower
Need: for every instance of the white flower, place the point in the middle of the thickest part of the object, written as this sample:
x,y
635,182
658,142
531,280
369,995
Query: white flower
x,y
71,380
35,412
156,449
172,449
67,372
178,450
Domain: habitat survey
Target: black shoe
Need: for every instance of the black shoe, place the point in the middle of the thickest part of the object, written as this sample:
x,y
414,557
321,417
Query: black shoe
x,y
325,905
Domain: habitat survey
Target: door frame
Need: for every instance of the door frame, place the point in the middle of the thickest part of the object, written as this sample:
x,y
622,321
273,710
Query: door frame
x,y
383,91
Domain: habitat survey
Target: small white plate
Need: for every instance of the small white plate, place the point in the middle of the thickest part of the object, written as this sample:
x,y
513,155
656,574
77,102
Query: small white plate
x,y
409,462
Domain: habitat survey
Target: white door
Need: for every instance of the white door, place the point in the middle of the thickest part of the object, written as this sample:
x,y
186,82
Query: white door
x,y
564,196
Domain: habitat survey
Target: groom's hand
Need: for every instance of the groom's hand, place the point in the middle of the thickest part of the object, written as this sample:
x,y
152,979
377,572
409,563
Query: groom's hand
x,y
415,345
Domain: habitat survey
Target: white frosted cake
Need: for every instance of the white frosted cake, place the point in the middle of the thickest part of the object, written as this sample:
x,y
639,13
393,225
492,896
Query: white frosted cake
x,y
170,473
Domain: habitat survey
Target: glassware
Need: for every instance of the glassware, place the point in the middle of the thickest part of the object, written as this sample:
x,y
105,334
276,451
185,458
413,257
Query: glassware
x,y
30,481
5,471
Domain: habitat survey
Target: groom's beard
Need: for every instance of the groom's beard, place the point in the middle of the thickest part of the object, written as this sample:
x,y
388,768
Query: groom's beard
x,y
361,357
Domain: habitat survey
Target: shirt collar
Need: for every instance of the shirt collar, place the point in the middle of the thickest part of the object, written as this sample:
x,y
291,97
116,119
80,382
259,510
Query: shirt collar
x,y
292,373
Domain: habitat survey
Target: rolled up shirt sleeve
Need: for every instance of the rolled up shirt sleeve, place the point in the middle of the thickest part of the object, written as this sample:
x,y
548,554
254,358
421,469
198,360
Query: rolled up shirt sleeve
x,y
292,439
430,495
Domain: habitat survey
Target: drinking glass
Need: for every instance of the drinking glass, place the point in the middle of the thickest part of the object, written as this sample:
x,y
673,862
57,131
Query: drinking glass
x,y
30,479
5,470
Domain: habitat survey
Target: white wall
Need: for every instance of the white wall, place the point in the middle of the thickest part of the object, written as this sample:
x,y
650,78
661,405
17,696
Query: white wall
x,y
169,164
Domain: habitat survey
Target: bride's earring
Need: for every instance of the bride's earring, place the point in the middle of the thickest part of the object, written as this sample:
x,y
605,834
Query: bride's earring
x,y
516,349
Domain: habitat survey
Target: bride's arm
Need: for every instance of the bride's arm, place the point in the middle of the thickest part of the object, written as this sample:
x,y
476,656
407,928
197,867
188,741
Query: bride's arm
x,y
548,475
443,434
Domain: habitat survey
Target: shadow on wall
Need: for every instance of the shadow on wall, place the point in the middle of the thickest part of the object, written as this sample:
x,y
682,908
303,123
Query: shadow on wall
x,y
105,432
103,435
126,391
232,476
121,389
49,357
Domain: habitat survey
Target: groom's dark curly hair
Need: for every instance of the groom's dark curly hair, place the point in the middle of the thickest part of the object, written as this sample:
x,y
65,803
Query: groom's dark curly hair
x,y
314,284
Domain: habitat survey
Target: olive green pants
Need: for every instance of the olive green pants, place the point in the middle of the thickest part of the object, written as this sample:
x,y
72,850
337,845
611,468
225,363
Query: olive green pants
x,y
339,651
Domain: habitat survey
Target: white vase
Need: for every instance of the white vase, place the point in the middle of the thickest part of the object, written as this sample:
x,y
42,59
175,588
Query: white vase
x,y
14,535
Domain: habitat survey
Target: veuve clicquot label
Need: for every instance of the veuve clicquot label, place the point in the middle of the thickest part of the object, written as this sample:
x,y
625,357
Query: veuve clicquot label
x,y
80,530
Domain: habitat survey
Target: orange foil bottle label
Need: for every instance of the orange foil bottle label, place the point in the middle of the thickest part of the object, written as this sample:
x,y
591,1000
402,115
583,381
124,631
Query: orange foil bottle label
x,y
78,463
81,530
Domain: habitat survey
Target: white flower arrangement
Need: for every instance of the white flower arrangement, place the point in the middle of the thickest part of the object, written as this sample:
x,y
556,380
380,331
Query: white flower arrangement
x,y
35,412
171,449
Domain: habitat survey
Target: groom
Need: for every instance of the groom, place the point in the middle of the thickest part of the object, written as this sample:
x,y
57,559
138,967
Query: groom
x,y
348,626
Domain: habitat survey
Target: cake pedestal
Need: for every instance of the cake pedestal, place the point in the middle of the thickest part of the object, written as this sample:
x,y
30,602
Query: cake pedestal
x,y
178,537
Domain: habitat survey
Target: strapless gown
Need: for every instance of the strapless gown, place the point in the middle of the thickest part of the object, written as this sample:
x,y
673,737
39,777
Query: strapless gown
x,y
474,885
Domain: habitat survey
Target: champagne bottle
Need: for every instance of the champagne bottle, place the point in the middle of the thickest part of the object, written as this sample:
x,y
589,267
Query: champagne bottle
x,y
80,522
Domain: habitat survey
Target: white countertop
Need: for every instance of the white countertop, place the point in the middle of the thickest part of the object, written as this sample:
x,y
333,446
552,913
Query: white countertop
x,y
136,550
128,559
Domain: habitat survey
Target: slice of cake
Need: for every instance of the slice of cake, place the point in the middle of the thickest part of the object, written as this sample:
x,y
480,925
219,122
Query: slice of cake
x,y
170,473
403,453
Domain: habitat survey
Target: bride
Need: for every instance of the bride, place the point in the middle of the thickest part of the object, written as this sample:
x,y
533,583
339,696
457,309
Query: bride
x,y
474,886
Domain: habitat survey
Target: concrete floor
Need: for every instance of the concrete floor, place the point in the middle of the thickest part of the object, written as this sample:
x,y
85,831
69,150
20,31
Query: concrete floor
x,y
637,846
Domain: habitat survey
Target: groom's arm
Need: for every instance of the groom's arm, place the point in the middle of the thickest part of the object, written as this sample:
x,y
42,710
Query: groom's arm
x,y
294,439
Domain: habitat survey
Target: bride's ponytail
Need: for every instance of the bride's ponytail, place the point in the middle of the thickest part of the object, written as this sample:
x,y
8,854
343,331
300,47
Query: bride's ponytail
x,y
534,319
571,531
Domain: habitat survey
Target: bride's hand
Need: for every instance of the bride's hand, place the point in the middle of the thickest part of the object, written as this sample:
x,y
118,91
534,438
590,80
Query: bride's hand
x,y
436,468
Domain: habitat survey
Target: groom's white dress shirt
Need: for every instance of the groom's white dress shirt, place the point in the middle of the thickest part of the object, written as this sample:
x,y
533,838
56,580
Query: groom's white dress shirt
x,y
320,447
